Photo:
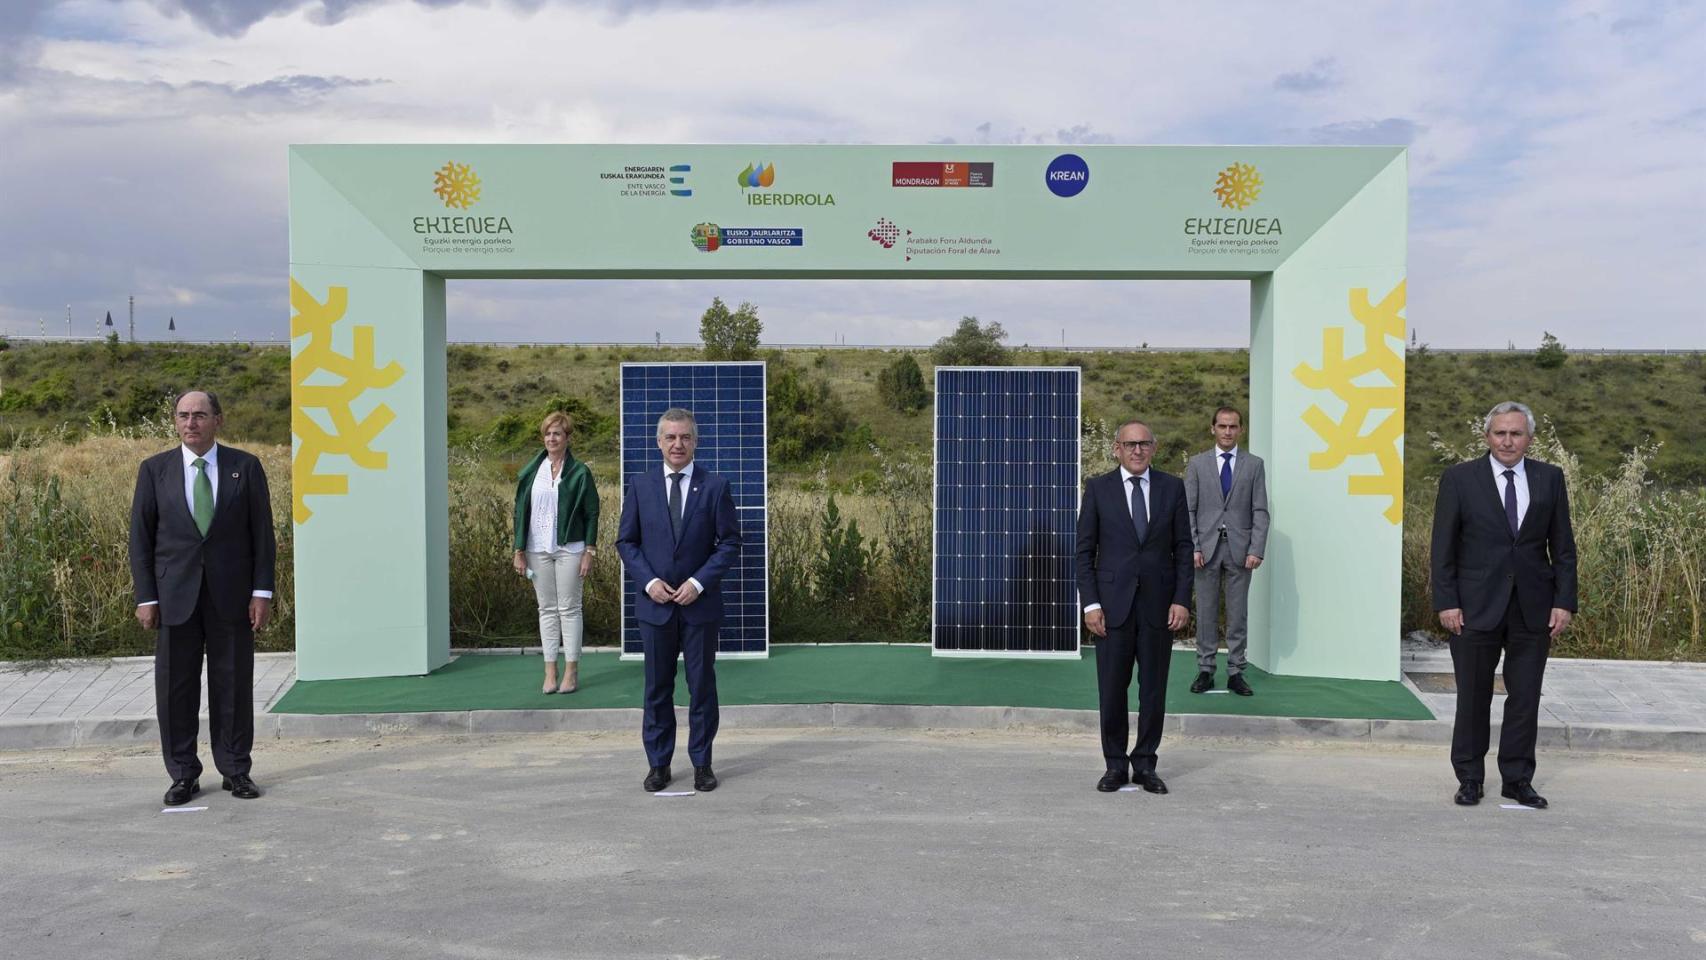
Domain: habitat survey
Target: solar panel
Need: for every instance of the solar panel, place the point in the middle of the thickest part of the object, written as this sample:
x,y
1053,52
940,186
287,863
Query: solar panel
x,y
1007,486
728,403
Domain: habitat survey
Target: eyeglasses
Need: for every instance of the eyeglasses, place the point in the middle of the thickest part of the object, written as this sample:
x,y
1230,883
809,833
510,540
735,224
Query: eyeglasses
x,y
1129,445
193,416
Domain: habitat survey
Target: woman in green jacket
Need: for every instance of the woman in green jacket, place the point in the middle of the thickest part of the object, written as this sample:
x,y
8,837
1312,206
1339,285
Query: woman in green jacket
x,y
556,526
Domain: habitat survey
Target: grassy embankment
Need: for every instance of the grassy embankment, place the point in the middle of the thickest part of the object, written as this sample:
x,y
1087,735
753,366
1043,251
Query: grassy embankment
x,y
71,414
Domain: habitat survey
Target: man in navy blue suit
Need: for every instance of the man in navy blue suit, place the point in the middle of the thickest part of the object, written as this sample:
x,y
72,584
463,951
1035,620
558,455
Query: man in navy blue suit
x,y
679,535
1134,580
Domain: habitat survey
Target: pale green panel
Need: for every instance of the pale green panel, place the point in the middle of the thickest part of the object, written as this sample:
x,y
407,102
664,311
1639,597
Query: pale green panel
x,y
1258,436
325,227
562,209
371,580
1330,603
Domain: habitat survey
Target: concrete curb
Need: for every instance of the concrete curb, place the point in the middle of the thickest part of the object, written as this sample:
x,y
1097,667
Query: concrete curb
x,y
18,735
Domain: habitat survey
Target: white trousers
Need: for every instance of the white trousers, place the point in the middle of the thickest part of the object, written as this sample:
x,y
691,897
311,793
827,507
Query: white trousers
x,y
557,587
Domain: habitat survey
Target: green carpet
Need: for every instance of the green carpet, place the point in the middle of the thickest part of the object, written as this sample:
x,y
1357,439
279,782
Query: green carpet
x,y
846,674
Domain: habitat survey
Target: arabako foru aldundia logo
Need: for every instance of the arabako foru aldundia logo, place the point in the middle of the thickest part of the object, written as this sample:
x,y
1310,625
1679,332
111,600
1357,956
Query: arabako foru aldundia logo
x,y
457,185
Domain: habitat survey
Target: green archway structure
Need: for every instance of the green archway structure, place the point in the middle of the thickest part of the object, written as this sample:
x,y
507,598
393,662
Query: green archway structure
x,y
376,230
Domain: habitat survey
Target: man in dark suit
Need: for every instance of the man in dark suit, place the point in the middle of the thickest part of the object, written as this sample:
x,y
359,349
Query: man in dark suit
x,y
1134,580
201,556
1504,580
679,535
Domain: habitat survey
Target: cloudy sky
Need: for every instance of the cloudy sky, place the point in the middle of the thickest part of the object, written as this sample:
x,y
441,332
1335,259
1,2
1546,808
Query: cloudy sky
x,y
1558,150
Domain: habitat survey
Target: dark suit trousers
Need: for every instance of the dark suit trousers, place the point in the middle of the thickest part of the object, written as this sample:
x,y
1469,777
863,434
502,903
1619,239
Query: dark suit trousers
x,y
230,648
1474,657
1151,650
696,644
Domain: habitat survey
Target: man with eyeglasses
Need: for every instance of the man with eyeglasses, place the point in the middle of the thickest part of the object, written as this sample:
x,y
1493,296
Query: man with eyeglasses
x,y
1134,580
201,557
1227,491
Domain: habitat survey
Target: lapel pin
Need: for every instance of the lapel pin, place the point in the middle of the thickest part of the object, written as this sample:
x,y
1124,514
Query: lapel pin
x,y
233,476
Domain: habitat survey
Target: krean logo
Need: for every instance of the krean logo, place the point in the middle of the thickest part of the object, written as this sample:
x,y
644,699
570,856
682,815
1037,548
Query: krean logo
x,y
1238,186
457,185
1067,175
760,176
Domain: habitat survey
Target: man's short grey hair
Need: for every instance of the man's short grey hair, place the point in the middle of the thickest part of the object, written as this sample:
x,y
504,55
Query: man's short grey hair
x,y
1509,406
678,415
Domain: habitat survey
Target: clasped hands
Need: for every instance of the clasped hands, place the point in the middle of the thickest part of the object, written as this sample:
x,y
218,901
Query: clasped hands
x,y
1452,621
260,611
661,592
1177,616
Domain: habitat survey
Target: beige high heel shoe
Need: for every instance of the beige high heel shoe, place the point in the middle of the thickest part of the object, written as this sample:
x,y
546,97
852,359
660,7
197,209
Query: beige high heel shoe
x,y
571,678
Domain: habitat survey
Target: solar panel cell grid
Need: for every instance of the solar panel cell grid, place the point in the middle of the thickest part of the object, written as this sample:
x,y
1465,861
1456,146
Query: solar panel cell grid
x,y
1007,485
728,403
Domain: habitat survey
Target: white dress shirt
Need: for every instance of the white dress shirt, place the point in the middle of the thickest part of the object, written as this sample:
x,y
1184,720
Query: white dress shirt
x,y
686,482
1521,485
1125,487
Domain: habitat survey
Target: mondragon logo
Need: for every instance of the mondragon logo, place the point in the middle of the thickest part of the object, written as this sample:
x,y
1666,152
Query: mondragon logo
x,y
457,185
1238,186
356,373
1363,431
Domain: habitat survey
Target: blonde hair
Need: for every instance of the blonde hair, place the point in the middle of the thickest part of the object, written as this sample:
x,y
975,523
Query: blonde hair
x,y
559,419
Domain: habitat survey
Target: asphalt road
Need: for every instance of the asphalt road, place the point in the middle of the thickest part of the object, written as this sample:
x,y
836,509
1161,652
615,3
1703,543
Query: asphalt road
x,y
830,844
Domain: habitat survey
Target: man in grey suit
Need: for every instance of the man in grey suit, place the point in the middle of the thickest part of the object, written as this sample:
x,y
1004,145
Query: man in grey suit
x,y
1227,494
201,556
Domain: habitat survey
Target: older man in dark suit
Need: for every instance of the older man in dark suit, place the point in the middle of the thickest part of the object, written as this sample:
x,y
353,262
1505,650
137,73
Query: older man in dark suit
x,y
1504,581
678,537
1134,580
201,557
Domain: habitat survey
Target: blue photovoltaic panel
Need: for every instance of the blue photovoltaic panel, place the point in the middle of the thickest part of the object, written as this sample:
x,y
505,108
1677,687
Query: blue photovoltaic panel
x,y
1007,486
727,400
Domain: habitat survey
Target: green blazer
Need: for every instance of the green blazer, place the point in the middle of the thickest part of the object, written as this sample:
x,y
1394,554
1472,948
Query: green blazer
x,y
577,502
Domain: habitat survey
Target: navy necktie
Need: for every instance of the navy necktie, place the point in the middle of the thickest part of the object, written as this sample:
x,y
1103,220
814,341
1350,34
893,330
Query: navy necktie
x,y
675,504
1225,475
1510,500
1139,511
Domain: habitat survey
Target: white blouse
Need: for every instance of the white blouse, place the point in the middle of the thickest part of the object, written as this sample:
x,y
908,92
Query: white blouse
x,y
542,523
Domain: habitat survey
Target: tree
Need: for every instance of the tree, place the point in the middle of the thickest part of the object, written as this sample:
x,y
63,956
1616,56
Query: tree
x,y
1551,354
805,417
901,385
971,345
730,336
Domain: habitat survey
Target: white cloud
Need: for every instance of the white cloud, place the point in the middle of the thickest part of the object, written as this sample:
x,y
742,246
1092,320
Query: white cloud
x,y
1554,159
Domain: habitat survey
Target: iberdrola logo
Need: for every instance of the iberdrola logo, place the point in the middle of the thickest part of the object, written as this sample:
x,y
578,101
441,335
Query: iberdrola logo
x,y
1238,186
457,185
760,176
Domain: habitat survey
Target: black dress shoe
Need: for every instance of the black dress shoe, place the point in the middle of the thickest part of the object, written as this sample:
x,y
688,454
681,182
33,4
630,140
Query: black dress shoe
x,y
1112,781
180,792
1204,682
1237,684
704,780
1149,782
1523,792
657,779
240,786
1468,793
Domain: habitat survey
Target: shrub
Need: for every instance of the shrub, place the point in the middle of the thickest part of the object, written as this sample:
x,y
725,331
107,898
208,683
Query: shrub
x,y
901,385
806,417
1550,355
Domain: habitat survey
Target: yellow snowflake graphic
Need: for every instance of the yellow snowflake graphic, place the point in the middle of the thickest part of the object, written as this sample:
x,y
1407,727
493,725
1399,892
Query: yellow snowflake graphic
x,y
1383,339
457,185
1238,186
350,437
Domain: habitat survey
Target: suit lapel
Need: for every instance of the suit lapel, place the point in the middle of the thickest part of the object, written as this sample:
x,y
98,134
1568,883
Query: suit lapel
x,y
227,494
1490,483
171,478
